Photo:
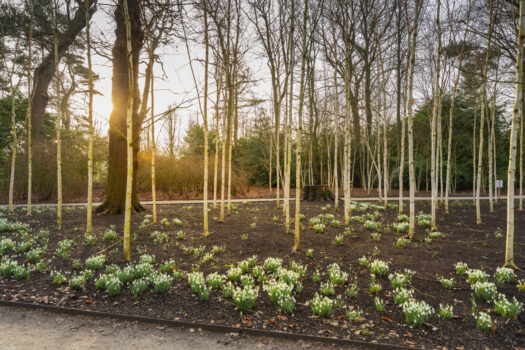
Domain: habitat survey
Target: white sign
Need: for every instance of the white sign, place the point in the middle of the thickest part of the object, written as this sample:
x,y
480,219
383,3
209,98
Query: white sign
x,y
499,183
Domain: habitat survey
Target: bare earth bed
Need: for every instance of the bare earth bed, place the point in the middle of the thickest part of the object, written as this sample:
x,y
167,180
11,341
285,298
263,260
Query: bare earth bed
x,y
258,229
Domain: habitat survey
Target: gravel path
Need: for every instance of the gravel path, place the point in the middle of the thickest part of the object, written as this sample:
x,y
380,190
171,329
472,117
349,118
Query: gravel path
x,y
22,329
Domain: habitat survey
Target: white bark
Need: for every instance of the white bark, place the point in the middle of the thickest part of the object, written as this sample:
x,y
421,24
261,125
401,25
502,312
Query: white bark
x,y
58,123
89,209
516,116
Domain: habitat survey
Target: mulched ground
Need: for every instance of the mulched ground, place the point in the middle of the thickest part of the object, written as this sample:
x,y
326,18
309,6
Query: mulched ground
x,y
480,246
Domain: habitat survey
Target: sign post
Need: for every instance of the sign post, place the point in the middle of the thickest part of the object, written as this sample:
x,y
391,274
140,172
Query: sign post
x,y
499,186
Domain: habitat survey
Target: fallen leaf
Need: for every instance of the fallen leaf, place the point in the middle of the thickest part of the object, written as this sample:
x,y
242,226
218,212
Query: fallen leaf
x,y
386,319
282,317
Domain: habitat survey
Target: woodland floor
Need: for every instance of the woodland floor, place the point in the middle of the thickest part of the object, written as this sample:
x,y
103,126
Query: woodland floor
x,y
480,246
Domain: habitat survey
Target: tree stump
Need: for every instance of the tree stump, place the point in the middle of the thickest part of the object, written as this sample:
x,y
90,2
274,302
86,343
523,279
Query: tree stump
x,y
317,193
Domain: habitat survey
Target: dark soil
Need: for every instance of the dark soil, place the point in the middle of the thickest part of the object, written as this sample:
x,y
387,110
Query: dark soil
x,y
480,246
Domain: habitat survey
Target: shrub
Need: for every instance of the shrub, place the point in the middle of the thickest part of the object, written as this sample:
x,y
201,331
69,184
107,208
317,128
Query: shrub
x,y
338,239
402,218
143,270
379,267
177,222
234,274
110,234
402,242
96,262
353,315
335,274
7,266
435,234
214,280
363,261
400,226
161,282
372,225
21,272
227,290
447,283
272,264
402,295
375,288
34,255
461,268
485,290
245,298
327,288
416,312
139,286
316,277
319,228
126,274
505,275
321,306
376,236
159,237
276,289
397,280
77,282
352,290
247,280
196,281
167,266
58,277
380,304
445,311
483,321
147,259
521,285
63,248
506,308
475,275
113,286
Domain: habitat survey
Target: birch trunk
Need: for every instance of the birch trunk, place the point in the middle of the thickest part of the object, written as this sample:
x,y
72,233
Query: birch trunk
x,y
13,151
216,163
412,221
153,146
491,158
89,210
482,116
521,161
58,123
28,113
297,237
433,124
205,231
516,116
450,123
129,136
336,143
289,113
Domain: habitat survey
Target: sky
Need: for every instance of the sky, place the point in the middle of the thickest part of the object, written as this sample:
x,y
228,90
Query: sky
x,y
173,82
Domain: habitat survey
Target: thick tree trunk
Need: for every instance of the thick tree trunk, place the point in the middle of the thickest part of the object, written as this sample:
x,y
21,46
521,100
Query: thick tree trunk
x,y
116,186
46,70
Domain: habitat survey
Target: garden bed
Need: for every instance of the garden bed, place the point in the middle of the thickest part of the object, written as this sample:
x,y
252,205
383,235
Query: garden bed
x,y
257,229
